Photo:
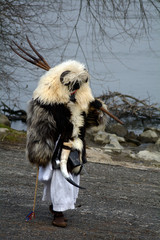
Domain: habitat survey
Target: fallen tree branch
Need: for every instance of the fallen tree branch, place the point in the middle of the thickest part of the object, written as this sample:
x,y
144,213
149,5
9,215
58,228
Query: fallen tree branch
x,y
13,115
124,105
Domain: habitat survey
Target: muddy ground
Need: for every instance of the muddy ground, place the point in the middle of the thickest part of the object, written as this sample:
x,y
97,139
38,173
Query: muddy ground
x,y
121,200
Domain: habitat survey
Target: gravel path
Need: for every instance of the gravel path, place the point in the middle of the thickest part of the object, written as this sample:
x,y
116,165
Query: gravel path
x,y
119,203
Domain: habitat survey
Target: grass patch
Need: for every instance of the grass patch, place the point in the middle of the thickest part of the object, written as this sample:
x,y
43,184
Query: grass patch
x,y
12,136
4,126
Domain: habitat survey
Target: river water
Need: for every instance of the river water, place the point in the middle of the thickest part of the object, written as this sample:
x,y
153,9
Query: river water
x,y
127,66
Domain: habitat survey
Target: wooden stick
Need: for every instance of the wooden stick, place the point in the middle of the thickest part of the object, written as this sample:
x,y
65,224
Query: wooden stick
x,y
35,192
111,115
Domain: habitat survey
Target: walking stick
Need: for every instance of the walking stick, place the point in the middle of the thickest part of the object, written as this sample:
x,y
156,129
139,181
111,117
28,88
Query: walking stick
x,y
31,215
111,115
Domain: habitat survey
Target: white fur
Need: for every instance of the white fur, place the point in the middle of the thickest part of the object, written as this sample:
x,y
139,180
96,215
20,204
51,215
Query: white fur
x,y
51,90
76,118
77,144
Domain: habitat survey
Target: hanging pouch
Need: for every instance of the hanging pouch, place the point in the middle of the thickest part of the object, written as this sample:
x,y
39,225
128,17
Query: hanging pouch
x,y
74,159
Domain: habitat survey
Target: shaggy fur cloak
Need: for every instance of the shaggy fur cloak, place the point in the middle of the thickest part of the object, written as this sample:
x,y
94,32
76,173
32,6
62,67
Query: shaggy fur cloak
x,y
52,111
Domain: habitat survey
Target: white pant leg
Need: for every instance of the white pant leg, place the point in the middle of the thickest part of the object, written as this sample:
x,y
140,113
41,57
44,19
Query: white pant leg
x,y
76,179
63,194
45,175
47,191
57,190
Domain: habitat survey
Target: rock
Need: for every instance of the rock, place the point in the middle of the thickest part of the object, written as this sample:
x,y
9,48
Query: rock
x,y
114,142
4,120
150,156
113,145
134,141
121,139
95,129
101,137
157,145
154,147
110,136
97,155
132,155
131,137
3,130
148,136
106,138
157,130
118,129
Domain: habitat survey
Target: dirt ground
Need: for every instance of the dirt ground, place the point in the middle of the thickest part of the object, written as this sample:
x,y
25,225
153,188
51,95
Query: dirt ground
x,y
121,200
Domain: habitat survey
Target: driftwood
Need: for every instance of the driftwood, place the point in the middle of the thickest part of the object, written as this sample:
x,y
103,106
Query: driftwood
x,y
124,106
13,115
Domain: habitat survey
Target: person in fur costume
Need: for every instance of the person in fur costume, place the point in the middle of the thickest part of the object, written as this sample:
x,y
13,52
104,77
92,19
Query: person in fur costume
x,y
61,108
58,113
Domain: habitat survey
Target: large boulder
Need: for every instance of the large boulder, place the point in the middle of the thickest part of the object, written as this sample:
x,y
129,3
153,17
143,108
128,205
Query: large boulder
x,y
117,129
156,130
148,136
4,120
150,156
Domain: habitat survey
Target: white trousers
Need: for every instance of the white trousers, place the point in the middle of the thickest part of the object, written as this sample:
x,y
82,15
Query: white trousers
x,y
57,190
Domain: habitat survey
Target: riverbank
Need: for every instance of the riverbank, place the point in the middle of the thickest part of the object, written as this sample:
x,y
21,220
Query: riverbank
x,y
117,147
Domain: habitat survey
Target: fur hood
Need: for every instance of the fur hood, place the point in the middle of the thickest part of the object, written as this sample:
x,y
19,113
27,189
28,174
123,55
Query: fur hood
x,y
51,90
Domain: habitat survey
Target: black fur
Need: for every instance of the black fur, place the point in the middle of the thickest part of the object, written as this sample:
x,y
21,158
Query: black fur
x,y
45,124
96,104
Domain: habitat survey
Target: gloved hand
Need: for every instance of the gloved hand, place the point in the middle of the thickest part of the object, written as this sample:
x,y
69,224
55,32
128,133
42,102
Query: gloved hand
x,y
96,104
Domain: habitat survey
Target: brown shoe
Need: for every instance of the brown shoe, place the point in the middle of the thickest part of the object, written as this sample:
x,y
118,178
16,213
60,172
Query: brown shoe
x,y
54,212
59,220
